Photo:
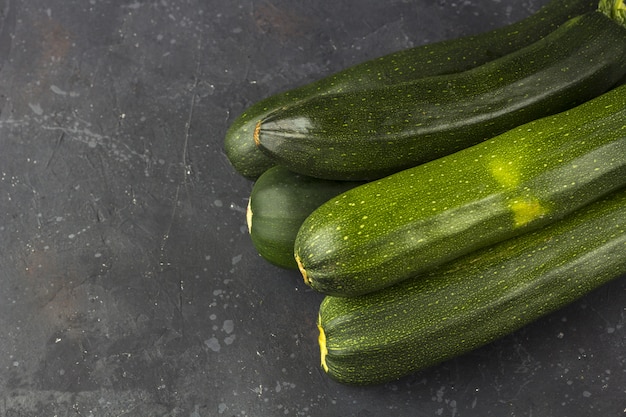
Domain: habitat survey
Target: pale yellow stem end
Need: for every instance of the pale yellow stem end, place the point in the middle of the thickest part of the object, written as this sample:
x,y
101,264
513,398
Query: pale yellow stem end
x,y
323,349
249,216
302,271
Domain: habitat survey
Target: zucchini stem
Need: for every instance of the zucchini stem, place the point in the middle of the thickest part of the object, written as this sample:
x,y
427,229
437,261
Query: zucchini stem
x,y
255,135
322,342
303,271
615,9
249,216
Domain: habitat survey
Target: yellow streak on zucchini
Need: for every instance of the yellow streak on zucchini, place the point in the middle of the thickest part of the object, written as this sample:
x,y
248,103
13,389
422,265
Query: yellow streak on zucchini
x,y
527,210
504,173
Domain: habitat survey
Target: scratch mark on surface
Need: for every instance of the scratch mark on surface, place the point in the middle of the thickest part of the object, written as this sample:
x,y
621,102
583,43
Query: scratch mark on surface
x,y
168,230
56,147
186,163
93,140
35,199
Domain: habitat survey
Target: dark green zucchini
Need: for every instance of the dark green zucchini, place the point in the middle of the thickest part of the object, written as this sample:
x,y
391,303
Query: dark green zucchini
x,y
473,300
279,203
425,60
395,228
370,133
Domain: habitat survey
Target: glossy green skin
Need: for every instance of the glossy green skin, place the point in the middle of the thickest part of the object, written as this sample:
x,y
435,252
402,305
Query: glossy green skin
x,y
371,133
279,203
398,227
445,57
474,300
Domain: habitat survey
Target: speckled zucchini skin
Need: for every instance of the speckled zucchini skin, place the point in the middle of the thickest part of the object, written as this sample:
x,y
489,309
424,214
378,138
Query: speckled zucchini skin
x,y
279,203
370,133
425,60
395,228
473,300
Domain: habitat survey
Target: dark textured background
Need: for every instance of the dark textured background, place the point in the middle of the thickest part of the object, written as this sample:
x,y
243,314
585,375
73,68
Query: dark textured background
x,y
128,283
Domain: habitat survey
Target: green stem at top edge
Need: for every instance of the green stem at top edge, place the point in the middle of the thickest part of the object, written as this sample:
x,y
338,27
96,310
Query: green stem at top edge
x,y
615,9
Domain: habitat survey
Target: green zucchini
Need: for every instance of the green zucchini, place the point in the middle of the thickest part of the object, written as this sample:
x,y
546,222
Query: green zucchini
x,y
395,228
279,202
370,133
473,300
425,60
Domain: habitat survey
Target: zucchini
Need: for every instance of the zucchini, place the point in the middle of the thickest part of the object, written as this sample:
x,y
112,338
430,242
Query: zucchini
x,y
395,228
279,202
473,300
425,60
370,133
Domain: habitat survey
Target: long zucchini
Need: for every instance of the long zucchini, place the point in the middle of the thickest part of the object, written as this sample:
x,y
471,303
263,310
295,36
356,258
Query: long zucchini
x,y
279,203
425,60
473,300
370,133
395,228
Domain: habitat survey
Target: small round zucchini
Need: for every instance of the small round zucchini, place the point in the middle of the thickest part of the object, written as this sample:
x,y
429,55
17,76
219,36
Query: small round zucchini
x,y
279,203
